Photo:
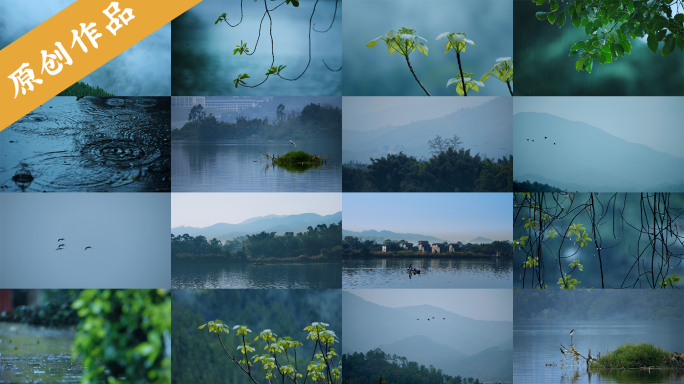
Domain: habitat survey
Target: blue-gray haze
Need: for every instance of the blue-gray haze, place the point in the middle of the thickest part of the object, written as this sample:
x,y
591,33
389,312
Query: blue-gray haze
x,y
142,70
128,234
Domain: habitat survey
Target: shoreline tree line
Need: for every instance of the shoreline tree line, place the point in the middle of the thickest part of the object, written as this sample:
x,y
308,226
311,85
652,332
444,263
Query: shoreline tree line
x,y
320,243
353,247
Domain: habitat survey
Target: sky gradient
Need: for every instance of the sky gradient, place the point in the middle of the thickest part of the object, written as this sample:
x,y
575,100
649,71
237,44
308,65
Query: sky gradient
x,y
652,121
128,233
205,209
478,304
448,216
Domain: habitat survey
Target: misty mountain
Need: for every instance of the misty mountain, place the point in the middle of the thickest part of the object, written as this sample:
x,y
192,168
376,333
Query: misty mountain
x,y
588,159
271,223
408,237
368,326
485,129
480,240
456,344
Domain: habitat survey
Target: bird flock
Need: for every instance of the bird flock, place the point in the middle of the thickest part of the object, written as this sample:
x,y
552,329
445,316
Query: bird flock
x,y
545,137
59,247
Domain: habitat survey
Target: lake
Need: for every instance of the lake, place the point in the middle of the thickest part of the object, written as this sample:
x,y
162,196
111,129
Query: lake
x,y
32,354
239,166
480,272
537,343
96,144
243,275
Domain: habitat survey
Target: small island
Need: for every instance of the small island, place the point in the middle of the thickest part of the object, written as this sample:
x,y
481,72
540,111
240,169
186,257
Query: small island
x,y
638,356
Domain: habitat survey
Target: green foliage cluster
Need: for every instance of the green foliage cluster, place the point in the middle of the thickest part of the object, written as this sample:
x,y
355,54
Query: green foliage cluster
x,y
124,336
315,121
608,305
634,356
294,157
321,368
319,243
609,24
355,248
197,356
526,186
53,311
83,89
450,171
377,366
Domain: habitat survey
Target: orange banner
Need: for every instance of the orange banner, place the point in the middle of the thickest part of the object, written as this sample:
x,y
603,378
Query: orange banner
x,y
71,45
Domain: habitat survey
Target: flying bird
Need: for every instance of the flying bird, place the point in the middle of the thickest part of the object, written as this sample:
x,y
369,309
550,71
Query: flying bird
x,y
554,143
545,137
61,245
292,142
533,141
60,240
59,249
87,248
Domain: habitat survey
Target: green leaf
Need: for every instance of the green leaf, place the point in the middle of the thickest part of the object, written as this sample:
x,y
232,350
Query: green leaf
x,y
669,45
680,41
373,43
539,2
578,65
553,4
602,58
542,15
588,64
626,45
576,20
552,17
578,45
588,28
561,19
620,51
573,53
659,22
652,43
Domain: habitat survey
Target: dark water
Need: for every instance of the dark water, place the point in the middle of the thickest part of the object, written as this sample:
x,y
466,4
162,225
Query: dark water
x,y
481,272
537,343
247,275
239,166
117,144
30,354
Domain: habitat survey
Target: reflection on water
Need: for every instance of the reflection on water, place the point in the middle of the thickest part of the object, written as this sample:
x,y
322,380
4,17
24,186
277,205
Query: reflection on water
x,y
36,355
91,144
537,343
481,272
239,166
270,275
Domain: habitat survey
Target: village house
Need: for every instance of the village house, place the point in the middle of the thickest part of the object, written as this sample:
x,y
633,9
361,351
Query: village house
x,y
407,246
453,247
423,246
384,248
437,248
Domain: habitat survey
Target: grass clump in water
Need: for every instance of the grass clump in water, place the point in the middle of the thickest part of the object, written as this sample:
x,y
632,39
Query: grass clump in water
x,y
293,157
637,356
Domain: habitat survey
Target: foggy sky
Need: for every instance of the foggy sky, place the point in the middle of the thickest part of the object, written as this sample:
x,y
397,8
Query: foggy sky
x,y
205,209
653,121
448,216
128,233
142,70
478,304
365,113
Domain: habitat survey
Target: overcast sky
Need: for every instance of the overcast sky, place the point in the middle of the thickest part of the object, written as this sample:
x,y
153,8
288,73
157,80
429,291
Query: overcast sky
x,y
128,234
652,121
478,304
371,112
205,209
448,216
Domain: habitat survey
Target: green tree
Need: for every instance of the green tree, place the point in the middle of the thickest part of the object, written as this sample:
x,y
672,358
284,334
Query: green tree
x,y
124,336
609,25
197,114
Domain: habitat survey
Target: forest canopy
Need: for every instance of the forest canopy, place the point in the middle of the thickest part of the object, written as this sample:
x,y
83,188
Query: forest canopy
x,y
315,121
320,243
452,170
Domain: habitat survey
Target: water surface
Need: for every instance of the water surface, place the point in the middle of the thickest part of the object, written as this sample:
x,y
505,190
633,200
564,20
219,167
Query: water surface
x,y
117,144
31,354
537,343
242,275
481,272
240,166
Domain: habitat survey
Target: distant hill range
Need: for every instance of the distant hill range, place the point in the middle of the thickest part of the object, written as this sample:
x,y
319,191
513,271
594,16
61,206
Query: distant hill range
x,y
408,237
485,129
587,159
458,345
271,223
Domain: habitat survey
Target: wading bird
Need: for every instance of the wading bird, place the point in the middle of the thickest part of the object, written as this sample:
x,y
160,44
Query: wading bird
x,y
572,332
292,142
